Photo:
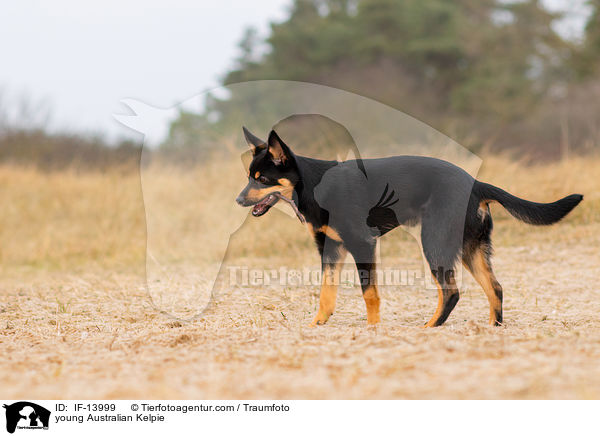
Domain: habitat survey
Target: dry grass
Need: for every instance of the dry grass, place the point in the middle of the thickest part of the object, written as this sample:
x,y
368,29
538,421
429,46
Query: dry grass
x,y
76,320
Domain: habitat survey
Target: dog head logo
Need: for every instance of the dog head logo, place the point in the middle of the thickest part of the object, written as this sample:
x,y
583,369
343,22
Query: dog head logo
x,y
26,415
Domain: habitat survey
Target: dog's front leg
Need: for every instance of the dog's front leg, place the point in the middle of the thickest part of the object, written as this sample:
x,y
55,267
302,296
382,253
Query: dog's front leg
x,y
364,256
367,272
331,264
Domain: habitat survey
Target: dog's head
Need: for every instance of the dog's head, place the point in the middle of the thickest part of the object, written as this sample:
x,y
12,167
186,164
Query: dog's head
x,y
272,173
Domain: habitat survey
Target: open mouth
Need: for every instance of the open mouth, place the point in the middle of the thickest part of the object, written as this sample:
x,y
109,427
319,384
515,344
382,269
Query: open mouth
x,y
264,205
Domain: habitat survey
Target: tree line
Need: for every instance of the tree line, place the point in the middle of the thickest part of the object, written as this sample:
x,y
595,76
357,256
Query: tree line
x,y
491,74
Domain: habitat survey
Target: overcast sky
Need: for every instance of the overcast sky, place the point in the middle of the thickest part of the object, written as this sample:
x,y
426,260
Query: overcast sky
x,y
82,57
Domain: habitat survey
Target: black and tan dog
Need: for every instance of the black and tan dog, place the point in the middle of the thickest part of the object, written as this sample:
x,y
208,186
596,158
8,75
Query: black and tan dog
x,y
348,205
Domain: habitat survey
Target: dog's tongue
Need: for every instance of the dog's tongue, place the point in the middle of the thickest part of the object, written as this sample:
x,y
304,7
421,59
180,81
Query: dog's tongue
x,y
264,205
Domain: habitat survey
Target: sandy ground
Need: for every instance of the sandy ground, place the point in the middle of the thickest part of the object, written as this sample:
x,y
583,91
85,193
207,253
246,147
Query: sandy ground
x,y
97,335
77,320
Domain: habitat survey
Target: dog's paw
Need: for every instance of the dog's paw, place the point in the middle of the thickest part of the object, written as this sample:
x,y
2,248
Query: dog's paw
x,y
373,321
320,319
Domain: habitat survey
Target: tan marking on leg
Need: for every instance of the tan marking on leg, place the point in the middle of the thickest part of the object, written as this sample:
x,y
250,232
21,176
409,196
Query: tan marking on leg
x,y
484,275
438,309
443,297
331,233
483,209
371,297
329,286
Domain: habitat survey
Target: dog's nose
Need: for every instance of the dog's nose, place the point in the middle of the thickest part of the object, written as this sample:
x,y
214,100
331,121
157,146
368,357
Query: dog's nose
x,y
240,200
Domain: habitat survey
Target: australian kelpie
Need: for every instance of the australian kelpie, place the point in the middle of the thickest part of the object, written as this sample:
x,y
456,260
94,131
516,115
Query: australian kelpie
x,y
348,205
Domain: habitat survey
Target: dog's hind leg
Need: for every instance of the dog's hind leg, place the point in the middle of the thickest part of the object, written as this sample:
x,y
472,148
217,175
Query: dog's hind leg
x,y
441,246
448,296
476,257
478,263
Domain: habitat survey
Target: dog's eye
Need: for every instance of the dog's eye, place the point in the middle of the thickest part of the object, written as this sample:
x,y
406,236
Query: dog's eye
x,y
263,179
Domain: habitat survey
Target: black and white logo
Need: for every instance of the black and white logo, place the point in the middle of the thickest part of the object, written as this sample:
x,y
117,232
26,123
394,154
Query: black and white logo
x,y
26,415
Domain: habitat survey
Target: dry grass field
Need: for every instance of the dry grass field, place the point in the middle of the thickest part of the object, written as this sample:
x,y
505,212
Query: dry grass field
x,y
77,321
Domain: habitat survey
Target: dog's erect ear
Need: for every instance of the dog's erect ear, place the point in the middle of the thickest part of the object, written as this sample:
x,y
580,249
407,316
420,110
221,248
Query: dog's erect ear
x,y
280,153
256,144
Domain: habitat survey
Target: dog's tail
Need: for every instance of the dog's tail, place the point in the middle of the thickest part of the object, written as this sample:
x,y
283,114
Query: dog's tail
x,y
528,211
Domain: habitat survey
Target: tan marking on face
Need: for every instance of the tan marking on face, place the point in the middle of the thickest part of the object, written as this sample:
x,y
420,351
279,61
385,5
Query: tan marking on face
x,y
284,187
257,174
288,188
259,194
372,301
